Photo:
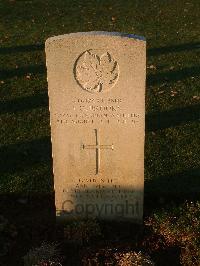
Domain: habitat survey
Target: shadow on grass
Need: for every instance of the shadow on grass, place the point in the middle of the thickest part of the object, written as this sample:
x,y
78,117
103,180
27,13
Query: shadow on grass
x,y
22,49
32,219
20,156
173,48
22,71
171,118
24,103
175,189
17,205
172,76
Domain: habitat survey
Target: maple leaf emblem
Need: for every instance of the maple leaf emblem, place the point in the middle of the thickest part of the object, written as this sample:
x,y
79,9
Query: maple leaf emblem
x,y
96,73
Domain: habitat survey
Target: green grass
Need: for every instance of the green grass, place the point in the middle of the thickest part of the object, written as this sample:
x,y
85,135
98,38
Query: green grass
x,y
172,150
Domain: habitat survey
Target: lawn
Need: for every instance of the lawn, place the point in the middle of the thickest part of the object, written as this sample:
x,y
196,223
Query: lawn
x,y
172,149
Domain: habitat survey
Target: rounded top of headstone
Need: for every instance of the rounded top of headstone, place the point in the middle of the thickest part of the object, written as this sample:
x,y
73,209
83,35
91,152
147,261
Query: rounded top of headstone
x,y
99,33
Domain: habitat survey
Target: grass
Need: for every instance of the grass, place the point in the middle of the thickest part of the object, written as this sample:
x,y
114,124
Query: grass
x,y
172,150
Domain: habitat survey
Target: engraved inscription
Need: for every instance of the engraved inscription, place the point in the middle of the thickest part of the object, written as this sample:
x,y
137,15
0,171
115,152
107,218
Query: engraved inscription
x,y
86,111
96,73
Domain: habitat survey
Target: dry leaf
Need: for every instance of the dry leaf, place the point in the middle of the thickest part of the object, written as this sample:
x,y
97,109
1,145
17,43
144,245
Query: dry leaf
x,y
152,67
196,97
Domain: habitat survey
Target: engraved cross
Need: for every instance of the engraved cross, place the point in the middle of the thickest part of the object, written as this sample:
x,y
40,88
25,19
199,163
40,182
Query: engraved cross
x,y
98,147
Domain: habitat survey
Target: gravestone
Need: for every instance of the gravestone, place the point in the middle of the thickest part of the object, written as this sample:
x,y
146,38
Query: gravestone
x,y
96,86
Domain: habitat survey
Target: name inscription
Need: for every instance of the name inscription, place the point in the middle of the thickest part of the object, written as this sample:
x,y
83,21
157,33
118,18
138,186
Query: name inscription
x,y
101,110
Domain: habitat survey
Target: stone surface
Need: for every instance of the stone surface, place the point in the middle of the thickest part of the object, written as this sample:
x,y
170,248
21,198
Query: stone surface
x,y
96,84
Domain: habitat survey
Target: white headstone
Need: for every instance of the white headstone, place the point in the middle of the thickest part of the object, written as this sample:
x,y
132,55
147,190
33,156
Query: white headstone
x,y
96,84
